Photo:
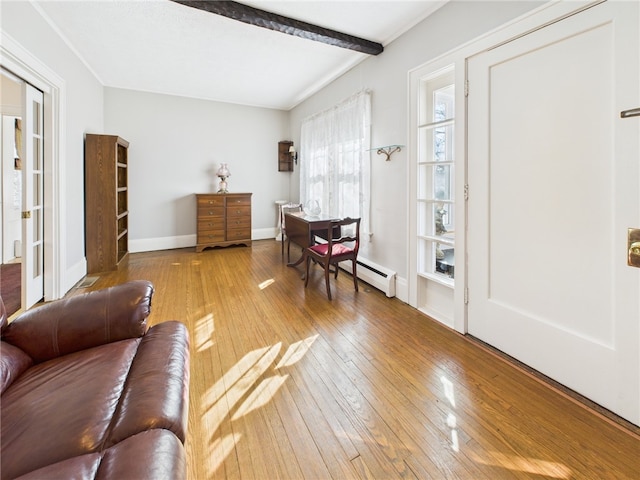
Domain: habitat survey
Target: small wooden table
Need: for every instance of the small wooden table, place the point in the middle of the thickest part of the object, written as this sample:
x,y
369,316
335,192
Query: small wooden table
x,y
301,232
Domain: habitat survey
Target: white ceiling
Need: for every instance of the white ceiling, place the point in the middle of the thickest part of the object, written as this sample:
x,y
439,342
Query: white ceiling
x,y
164,47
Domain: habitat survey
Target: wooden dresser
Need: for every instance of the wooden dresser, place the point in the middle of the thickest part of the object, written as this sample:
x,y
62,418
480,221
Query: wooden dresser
x,y
223,219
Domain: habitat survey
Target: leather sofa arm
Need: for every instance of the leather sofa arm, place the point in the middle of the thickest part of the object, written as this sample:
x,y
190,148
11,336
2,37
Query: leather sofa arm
x,y
82,321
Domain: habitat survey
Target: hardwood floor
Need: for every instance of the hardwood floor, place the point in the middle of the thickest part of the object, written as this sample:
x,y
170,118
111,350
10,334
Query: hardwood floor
x,y
286,384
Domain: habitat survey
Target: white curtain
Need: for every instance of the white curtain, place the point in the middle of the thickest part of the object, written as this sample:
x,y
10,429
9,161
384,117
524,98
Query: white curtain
x,y
335,159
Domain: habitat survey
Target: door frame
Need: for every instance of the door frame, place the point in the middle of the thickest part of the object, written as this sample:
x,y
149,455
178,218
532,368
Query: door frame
x,y
23,64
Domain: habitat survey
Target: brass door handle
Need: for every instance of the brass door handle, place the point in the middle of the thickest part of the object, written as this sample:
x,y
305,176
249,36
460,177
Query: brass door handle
x,y
633,258
634,254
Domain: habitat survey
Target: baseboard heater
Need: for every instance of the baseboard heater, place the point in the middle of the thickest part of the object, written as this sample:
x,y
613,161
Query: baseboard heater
x,y
375,275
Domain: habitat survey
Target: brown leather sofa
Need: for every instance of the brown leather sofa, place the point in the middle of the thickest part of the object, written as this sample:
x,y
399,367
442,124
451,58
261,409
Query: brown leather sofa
x,y
88,391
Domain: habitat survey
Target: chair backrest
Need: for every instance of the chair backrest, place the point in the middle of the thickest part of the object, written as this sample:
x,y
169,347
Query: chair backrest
x,y
289,208
340,232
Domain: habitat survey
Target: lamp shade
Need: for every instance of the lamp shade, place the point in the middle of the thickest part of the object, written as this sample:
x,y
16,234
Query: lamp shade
x,y
223,171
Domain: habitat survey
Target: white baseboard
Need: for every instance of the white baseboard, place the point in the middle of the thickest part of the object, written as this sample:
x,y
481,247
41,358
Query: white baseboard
x,y
162,243
264,233
186,241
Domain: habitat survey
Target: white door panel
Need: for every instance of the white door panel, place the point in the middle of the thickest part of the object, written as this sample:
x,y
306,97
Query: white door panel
x,y
554,177
33,200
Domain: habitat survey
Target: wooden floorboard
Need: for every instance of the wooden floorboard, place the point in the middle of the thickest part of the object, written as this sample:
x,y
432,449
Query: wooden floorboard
x,y
287,384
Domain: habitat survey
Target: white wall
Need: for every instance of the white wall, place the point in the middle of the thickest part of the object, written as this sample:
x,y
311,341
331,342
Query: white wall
x,y
82,112
177,144
386,76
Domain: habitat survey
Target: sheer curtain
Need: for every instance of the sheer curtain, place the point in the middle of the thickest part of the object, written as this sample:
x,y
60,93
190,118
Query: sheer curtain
x,y
335,161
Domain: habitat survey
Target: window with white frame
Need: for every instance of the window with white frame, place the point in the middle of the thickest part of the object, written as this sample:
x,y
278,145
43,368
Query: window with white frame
x,y
335,159
436,181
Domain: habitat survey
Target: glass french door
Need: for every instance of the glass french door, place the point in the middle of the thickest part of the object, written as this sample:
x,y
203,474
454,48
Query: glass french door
x,y
33,199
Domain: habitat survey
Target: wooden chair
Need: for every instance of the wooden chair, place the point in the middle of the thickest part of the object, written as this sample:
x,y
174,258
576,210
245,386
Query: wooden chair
x,y
287,208
336,250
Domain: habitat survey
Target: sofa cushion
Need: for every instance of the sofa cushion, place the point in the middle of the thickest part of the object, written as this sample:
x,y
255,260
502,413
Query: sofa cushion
x,y
156,392
77,468
151,455
82,321
156,454
13,363
63,408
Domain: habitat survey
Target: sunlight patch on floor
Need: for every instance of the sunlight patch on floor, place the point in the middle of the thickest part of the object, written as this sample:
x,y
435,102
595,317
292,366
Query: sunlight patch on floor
x,y
220,449
296,351
246,387
204,333
523,464
448,391
452,421
260,396
266,283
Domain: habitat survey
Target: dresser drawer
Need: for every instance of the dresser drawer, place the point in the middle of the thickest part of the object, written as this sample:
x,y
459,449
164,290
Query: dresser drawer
x,y
208,224
210,201
238,200
239,211
238,233
238,222
210,212
210,237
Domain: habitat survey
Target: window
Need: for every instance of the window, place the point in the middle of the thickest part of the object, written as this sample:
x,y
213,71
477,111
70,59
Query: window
x,y
436,180
334,159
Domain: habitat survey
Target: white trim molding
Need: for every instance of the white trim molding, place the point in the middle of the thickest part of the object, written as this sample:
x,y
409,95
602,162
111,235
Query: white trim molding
x,y
19,61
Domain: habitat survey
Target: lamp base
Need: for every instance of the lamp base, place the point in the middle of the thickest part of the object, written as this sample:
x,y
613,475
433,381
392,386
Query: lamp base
x,y
222,186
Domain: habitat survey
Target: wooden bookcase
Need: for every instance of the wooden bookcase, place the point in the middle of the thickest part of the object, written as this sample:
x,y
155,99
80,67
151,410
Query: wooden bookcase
x,y
106,162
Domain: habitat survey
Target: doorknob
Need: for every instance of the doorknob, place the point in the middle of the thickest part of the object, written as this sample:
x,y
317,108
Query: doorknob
x,y
634,247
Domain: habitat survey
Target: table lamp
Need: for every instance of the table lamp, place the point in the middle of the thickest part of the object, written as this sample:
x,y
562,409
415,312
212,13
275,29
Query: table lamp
x,y
223,172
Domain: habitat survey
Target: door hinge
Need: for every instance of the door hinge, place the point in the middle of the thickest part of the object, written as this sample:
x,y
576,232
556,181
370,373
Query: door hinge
x,y
466,191
26,214
466,88
466,296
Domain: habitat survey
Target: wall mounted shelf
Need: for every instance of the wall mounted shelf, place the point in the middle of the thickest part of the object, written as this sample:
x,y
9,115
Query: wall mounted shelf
x,y
388,150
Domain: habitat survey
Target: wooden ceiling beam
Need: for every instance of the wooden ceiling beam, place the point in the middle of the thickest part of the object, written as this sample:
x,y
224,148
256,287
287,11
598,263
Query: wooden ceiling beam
x,y
279,23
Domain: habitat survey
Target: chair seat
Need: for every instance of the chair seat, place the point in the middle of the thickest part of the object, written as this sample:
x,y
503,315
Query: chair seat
x,y
336,250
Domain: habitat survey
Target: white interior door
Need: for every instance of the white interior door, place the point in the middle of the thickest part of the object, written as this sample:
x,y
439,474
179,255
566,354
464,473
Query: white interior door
x,y
32,199
554,180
